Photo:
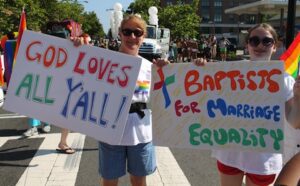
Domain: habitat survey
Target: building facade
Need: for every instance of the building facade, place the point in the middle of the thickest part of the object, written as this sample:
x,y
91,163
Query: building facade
x,y
235,25
214,19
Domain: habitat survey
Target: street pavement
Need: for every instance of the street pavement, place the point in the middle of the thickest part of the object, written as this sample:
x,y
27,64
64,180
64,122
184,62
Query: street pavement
x,y
34,161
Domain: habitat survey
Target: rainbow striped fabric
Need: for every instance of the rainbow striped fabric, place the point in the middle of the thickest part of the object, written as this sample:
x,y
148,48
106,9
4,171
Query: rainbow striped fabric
x,y
10,49
1,72
291,57
22,27
143,87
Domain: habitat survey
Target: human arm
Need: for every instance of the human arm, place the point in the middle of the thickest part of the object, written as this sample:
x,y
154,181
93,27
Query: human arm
x,y
77,41
81,40
290,174
293,106
200,61
162,62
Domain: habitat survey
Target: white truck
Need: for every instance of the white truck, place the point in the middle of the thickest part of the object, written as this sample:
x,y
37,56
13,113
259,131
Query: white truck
x,y
156,44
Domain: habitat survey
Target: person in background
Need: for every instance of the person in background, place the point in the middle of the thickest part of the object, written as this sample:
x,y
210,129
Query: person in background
x,y
171,54
179,50
63,146
213,46
185,50
174,47
86,38
259,168
223,43
46,128
33,130
194,49
280,48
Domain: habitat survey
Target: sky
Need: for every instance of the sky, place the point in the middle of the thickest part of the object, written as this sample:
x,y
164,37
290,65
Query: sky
x,y
100,8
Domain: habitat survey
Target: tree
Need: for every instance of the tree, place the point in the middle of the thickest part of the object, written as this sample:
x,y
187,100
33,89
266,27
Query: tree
x,y
141,7
182,19
92,26
40,12
11,11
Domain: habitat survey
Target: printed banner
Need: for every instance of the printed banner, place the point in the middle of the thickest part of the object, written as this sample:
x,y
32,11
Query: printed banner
x,y
237,105
85,89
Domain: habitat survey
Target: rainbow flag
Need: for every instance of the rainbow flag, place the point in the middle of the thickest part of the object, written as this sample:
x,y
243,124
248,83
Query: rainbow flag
x,y
22,27
1,72
10,50
291,57
143,87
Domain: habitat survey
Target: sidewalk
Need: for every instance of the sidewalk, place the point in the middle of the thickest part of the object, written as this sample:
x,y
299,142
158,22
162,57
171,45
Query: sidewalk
x,y
49,168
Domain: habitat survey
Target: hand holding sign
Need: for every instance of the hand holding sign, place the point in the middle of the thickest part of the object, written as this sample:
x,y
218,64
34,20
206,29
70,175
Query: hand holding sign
x,y
85,89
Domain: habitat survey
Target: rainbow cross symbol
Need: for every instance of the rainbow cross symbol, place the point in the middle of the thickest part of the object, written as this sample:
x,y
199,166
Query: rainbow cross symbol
x,y
163,83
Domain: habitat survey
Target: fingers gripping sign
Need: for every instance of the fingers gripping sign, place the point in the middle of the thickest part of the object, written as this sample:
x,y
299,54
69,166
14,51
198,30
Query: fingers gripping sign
x,y
160,62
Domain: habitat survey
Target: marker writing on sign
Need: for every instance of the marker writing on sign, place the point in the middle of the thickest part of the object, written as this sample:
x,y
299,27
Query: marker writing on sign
x,y
85,107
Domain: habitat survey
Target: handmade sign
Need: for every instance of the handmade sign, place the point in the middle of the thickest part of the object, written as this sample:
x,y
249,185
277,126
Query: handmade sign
x,y
85,89
237,105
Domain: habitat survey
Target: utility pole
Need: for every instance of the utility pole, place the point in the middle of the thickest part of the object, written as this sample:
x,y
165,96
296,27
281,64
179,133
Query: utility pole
x,y
290,28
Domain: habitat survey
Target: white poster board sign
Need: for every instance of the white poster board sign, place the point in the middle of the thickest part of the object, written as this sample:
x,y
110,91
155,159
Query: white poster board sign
x,y
86,89
237,105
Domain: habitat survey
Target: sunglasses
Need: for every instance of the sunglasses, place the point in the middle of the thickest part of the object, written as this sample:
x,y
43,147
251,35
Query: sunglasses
x,y
254,41
136,32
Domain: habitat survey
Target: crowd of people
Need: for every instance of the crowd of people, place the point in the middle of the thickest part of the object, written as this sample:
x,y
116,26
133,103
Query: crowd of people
x,y
207,47
185,50
136,153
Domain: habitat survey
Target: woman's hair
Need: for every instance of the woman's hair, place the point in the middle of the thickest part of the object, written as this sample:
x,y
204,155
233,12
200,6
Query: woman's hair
x,y
265,26
139,22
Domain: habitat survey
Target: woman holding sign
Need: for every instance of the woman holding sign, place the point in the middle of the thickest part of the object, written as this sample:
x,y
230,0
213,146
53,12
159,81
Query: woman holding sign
x,y
259,168
136,149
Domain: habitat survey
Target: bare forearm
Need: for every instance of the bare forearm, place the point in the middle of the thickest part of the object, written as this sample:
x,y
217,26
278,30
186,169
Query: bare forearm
x,y
290,174
293,112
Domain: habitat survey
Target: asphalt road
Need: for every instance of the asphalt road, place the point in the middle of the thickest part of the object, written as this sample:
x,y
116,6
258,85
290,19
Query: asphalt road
x,y
197,165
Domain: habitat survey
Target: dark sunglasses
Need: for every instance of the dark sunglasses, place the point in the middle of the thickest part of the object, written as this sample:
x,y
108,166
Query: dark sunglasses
x,y
266,41
136,32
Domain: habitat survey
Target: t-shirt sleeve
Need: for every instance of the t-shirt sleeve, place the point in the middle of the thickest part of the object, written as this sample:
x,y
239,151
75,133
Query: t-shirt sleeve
x,y
289,84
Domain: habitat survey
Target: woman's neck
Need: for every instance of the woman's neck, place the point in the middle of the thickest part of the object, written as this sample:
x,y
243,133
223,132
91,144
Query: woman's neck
x,y
128,52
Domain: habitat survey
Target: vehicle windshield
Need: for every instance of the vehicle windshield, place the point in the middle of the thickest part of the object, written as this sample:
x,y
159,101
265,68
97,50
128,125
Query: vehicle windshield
x,y
151,33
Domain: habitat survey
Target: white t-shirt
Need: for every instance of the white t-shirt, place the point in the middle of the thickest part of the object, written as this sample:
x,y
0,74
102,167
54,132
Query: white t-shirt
x,y
255,162
139,130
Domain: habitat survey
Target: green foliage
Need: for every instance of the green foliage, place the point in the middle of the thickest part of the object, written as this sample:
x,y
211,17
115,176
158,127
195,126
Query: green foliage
x,y
231,55
92,26
182,19
39,12
141,7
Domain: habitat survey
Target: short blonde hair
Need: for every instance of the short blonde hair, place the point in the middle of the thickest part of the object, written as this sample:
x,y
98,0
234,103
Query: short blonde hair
x,y
139,22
